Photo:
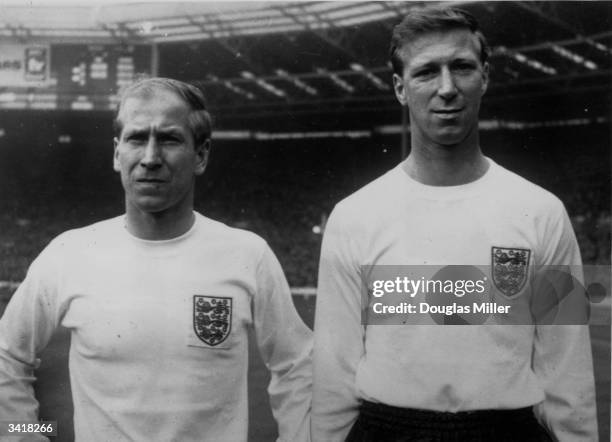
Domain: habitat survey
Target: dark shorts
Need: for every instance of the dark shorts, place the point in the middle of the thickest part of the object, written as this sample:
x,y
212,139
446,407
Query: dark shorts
x,y
383,423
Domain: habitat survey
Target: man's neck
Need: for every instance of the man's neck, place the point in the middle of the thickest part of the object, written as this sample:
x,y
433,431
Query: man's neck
x,y
158,226
445,165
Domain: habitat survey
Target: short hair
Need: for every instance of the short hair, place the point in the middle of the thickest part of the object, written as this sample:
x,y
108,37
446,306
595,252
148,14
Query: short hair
x,y
199,120
422,21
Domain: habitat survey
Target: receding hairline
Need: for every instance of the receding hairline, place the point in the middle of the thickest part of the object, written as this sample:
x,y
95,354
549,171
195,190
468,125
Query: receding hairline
x,y
150,95
477,48
198,117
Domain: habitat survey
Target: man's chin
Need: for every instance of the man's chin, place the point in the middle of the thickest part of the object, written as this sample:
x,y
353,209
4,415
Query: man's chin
x,y
451,139
150,205
449,143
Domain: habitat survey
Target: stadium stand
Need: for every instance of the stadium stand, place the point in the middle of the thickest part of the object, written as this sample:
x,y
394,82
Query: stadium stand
x,y
279,189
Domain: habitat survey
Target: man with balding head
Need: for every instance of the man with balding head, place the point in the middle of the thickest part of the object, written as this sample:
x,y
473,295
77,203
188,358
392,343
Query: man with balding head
x,y
159,300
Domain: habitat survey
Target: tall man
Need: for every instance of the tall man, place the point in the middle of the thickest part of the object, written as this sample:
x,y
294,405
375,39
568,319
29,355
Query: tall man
x,y
446,204
159,301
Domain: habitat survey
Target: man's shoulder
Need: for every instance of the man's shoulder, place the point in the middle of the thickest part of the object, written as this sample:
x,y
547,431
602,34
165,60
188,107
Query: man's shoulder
x,y
90,233
374,196
72,244
219,231
516,189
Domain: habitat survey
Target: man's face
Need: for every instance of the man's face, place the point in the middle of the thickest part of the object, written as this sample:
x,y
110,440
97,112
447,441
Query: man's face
x,y
155,153
442,84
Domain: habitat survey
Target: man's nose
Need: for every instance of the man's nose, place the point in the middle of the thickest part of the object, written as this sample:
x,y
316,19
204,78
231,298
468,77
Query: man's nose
x,y
447,88
152,156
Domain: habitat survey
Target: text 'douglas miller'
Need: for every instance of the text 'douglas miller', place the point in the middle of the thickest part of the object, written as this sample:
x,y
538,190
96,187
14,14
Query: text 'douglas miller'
x,y
475,295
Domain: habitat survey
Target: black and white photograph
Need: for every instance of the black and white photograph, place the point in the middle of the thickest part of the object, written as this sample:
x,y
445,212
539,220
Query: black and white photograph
x,y
305,221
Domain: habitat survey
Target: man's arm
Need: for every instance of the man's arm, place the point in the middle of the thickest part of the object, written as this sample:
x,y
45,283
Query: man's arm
x,y
562,357
25,329
339,337
285,344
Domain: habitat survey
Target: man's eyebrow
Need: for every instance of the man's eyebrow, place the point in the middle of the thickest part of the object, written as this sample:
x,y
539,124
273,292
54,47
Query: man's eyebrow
x,y
135,131
424,65
434,64
463,59
169,129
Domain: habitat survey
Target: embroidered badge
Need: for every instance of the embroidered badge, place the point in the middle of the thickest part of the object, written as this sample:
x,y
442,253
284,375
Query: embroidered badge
x,y
212,318
509,267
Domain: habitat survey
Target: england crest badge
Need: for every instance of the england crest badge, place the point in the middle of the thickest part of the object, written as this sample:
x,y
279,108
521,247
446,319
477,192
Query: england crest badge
x,y
212,318
509,268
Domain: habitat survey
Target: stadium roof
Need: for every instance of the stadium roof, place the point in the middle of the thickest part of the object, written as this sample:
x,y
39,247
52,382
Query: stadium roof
x,y
161,22
313,60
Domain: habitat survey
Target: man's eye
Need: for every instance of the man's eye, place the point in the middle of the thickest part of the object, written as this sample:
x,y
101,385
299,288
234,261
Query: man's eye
x,y
464,67
169,140
136,139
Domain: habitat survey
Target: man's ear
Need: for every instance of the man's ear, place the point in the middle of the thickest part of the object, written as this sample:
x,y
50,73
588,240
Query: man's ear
x,y
116,164
202,153
485,78
400,90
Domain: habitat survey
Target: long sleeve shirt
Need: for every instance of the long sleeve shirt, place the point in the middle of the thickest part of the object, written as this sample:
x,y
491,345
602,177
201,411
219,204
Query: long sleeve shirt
x,y
159,347
397,221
